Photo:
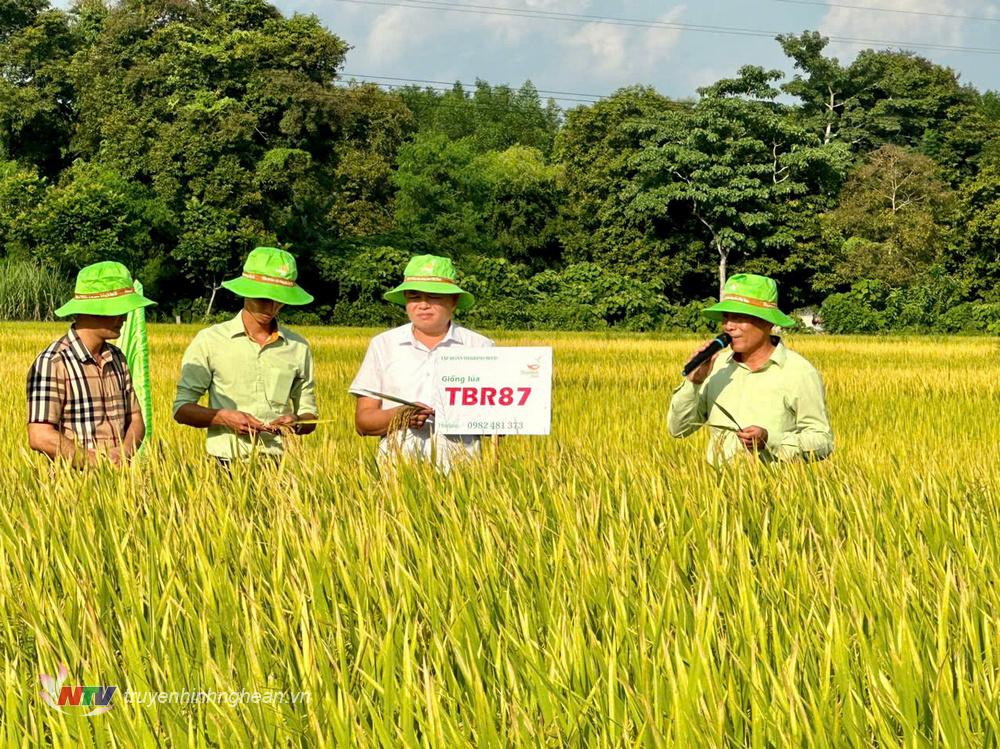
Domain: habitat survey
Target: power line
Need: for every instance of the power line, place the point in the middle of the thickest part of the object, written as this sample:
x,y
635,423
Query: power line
x,y
475,104
452,83
463,105
879,9
491,10
395,83
449,89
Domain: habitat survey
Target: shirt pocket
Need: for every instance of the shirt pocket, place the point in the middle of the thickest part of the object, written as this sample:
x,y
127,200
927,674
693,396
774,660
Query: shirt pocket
x,y
279,384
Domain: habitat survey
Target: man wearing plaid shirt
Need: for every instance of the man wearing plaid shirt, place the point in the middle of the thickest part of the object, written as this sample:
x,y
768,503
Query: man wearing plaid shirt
x,y
81,403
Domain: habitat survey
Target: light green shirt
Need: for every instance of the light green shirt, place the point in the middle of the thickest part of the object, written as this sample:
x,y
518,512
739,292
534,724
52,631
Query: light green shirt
x,y
785,397
264,381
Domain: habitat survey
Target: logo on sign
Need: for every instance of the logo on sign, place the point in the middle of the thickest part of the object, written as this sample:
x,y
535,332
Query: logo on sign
x,y
534,369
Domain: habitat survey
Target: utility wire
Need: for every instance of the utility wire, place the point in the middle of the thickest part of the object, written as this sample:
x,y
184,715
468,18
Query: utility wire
x,y
450,88
491,10
464,104
395,82
451,83
880,9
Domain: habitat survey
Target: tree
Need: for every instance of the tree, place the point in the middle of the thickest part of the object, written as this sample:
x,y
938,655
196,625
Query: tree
x,y
493,118
892,221
900,96
460,202
36,94
95,214
22,189
824,87
227,112
597,149
521,201
439,195
212,244
979,261
728,163
376,124
887,97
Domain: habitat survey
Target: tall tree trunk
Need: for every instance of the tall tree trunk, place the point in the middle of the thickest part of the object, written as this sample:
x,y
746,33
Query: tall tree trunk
x,y
723,257
717,243
211,301
831,113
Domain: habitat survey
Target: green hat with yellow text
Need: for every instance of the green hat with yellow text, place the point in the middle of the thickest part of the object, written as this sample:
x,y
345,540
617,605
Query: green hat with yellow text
x,y
749,294
269,273
431,274
104,288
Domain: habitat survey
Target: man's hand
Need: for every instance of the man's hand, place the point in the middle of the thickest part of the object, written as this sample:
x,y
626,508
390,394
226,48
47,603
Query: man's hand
x,y
704,369
420,417
287,424
240,422
754,439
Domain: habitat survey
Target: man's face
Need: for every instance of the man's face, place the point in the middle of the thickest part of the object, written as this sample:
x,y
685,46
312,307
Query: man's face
x,y
430,313
749,333
263,310
107,327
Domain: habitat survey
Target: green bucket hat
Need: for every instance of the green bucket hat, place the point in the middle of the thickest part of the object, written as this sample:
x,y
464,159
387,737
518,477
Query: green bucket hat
x,y
433,274
104,289
269,273
748,294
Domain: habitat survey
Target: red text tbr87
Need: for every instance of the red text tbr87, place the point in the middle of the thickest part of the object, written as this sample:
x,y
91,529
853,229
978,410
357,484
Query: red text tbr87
x,y
486,396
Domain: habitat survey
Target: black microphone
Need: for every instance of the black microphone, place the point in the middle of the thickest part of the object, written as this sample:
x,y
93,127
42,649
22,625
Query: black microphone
x,y
717,344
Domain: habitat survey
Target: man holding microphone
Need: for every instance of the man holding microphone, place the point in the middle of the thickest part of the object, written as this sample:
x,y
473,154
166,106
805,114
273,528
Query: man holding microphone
x,y
760,398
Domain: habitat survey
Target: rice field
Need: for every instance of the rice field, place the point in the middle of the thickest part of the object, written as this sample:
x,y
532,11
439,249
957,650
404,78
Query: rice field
x,y
602,587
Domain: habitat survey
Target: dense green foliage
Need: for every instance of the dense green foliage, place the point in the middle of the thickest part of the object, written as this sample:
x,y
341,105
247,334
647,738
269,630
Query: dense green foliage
x,y
174,135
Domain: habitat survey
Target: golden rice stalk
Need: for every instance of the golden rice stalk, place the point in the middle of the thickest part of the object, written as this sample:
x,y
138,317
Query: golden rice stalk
x,y
398,424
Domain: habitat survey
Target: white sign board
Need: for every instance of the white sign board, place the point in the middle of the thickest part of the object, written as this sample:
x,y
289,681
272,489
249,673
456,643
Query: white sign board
x,y
497,390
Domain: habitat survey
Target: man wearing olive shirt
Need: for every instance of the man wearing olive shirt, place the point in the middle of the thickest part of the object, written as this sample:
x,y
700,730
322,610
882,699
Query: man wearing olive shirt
x,y
258,374
759,398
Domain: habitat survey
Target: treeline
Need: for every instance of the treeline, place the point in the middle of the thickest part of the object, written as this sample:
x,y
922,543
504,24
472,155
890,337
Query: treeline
x,y
175,135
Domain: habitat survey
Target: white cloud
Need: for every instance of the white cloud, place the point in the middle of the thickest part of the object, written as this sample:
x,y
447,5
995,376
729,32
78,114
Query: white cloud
x,y
401,32
659,43
393,32
600,48
624,53
513,29
912,26
616,54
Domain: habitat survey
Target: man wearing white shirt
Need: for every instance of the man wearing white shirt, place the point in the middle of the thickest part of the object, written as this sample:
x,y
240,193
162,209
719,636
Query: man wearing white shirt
x,y
401,362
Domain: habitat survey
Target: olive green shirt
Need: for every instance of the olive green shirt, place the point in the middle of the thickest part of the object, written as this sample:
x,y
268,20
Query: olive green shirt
x,y
238,373
785,397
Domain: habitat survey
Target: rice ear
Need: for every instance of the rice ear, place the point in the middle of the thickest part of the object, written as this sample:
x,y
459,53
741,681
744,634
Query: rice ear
x,y
398,425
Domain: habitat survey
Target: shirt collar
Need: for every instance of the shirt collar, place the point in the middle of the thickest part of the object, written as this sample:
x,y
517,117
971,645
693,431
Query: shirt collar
x,y
452,335
80,350
408,339
235,327
779,356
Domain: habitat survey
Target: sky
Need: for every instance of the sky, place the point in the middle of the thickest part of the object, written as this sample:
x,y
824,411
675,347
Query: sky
x,y
594,58
394,39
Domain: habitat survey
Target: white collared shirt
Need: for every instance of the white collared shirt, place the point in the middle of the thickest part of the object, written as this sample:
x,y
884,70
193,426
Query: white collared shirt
x,y
396,363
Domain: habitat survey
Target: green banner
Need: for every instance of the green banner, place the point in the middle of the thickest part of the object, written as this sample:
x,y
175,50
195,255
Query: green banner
x,y
135,345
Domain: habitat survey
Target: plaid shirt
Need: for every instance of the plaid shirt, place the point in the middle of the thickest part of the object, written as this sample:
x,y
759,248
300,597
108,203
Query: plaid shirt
x,y
91,402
